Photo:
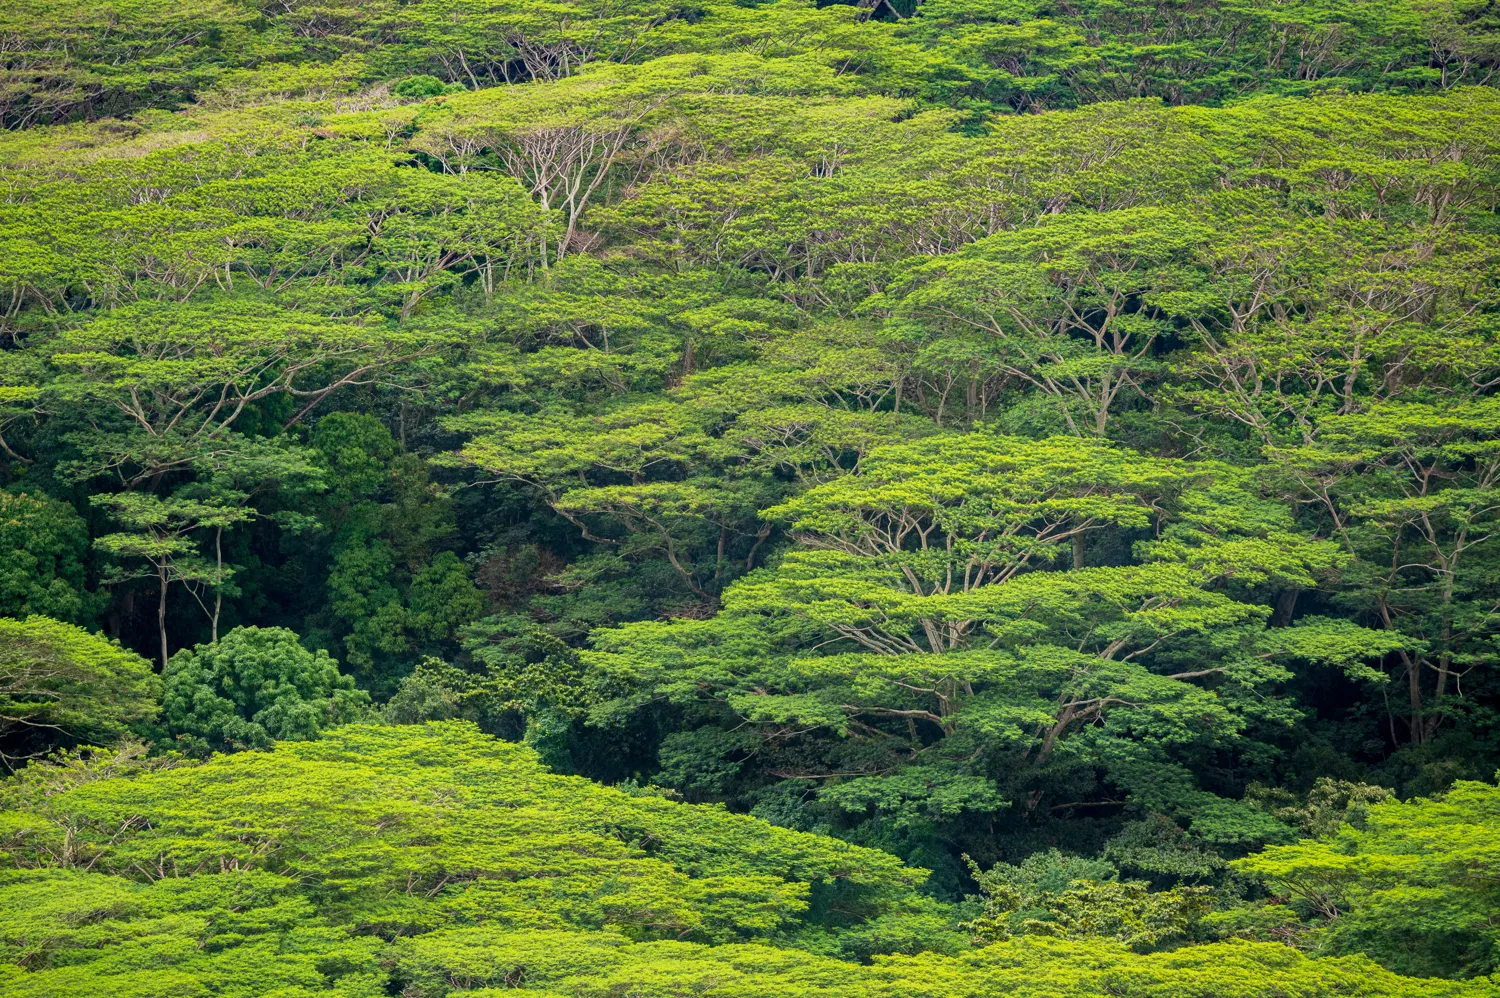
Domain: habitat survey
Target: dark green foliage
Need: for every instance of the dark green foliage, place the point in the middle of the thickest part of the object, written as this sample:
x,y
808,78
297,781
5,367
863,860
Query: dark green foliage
x,y
356,448
253,686
425,86
43,546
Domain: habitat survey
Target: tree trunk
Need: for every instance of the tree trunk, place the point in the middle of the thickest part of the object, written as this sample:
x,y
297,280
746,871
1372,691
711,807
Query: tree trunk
x,y
1414,691
161,611
1286,605
1445,669
219,577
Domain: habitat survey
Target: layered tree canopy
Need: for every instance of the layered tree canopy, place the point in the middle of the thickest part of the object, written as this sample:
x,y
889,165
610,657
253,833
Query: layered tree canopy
x,y
749,497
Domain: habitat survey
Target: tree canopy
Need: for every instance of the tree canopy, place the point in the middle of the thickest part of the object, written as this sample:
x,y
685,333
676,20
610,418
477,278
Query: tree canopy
x,y
749,496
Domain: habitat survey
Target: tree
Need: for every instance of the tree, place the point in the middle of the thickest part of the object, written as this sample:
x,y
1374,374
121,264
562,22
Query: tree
x,y
1051,894
394,593
562,143
344,810
43,544
253,686
159,535
483,870
1068,305
1407,886
945,429
356,449
59,682
1412,492
182,376
924,629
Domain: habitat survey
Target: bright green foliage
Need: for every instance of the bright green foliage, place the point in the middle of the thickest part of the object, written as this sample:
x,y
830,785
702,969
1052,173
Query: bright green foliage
x,y
403,830
287,872
1126,912
244,933
1054,302
106,58
1411,885
78,685
963,429
101,58
251,687
1051,894
600,965
924,624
